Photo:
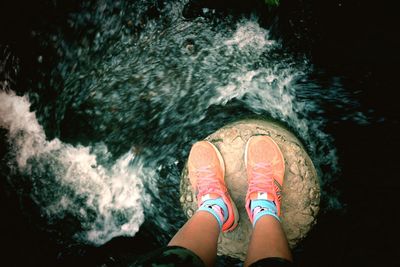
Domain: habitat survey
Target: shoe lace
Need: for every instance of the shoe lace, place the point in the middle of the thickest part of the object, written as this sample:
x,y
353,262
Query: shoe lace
x,y
207,182
262,180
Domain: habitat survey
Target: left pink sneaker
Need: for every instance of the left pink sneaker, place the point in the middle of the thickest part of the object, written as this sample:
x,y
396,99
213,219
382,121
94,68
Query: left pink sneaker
x,y
206,174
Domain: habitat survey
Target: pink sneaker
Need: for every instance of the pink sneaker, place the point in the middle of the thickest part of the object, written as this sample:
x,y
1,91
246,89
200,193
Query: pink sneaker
x,y
265,167
206,174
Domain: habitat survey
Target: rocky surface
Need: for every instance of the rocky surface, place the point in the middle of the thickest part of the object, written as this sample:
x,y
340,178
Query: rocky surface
x,y
301,189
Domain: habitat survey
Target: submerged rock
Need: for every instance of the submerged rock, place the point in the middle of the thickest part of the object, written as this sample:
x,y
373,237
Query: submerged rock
x,y
301,189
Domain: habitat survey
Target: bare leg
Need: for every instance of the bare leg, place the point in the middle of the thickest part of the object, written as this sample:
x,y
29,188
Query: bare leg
x,y
200,235
267,240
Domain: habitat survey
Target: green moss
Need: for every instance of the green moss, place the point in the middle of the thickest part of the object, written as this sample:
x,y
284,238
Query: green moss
x,y
272,2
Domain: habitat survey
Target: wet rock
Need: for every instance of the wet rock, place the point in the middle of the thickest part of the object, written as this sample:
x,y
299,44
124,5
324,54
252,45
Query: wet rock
x,y
301,189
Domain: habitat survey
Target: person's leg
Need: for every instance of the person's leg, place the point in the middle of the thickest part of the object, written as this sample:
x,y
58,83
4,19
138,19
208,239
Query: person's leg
x,y
265,167
216,209
200,235
267,240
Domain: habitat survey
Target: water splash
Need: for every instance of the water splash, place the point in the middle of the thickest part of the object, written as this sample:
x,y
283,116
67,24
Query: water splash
x,y
158,83
274,89
68,180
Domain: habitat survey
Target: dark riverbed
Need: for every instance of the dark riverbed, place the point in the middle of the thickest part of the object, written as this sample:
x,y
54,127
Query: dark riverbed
x,y
117,83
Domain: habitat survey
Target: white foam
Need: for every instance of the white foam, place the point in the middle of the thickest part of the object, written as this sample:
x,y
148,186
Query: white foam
x,y
108,202
22,125
250,35
266,89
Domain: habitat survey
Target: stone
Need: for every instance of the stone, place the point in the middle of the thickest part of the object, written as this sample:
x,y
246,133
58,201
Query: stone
x,y
301,186
294,169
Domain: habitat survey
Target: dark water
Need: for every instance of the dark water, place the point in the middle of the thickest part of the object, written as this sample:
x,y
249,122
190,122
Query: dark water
x,y
121,89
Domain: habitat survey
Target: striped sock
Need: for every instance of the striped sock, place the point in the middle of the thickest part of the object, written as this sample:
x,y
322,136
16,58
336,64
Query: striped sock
x,y
261,207
216,207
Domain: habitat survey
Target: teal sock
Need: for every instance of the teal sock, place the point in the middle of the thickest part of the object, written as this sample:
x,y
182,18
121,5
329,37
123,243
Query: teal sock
x,y
216,207
261,207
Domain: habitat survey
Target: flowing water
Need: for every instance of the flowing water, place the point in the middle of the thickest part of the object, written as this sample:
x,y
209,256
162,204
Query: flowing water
x,y
133,91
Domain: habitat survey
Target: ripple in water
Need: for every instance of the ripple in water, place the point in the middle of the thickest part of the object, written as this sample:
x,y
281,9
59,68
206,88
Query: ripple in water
x,y
138,100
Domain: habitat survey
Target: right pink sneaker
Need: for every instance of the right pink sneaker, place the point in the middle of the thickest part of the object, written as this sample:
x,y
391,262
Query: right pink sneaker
x,y
265,167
